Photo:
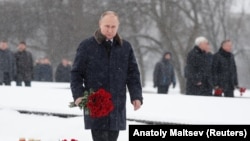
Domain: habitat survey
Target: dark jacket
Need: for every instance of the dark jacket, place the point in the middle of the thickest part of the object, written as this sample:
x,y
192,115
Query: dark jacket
x,y
224,70
197,70
24,65
164,74
62,73
7,64
92,68
46,73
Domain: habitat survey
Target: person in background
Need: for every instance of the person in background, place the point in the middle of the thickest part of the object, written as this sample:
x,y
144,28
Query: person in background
x,y
46,70
107,61
62,73
224,70
24,65
197,67
7,64
164,75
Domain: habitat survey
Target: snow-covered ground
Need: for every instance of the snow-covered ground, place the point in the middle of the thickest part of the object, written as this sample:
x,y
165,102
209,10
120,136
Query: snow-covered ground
x,y
54,98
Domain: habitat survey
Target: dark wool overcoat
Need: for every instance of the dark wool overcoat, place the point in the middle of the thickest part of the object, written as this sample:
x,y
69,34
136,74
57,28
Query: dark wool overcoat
x,y
93,68
198,70
24,65
224,70
7,64
62,73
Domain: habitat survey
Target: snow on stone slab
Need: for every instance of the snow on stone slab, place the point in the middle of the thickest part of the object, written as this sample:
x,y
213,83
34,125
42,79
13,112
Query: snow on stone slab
x,y
171,108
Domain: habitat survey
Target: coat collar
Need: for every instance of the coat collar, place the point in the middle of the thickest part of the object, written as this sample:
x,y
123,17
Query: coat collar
x,y
224,53
100,38
197,49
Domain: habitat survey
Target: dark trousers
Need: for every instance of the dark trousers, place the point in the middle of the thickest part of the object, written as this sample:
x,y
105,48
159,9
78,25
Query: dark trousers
x,y
228,93
104,135
26,83
6,79
162,89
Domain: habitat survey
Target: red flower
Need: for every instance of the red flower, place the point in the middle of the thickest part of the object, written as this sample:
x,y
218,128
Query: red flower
x,y
100,103
218,92
97,104
242,90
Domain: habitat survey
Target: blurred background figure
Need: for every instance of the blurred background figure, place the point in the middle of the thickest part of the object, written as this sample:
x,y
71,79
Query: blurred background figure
x,y
198,69
24,65
7,64
164,74
224,70
62,73
46,70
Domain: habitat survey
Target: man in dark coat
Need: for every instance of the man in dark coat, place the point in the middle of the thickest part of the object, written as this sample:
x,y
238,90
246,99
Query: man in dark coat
x,y
107,61
7,64
164,74
62,73
24,65
224,69
197,69
46,70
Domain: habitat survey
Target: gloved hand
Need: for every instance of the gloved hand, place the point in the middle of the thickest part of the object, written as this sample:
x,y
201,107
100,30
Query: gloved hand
x,y
174,84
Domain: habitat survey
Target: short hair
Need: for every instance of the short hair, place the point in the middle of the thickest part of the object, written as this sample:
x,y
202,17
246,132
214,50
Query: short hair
x,y
199,40
225,41
22,42
109,13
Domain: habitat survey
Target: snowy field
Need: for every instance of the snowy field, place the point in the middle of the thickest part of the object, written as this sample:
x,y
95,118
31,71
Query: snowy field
x,y
54,98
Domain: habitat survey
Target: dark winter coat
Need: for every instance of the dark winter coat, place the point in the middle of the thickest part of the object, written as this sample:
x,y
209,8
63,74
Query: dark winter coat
x,y
7,64
93,68
46,73
224,70
24,65
164,74
198,70
62,73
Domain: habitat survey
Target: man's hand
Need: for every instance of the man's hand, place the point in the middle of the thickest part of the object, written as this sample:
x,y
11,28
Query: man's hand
x,y
78,101
136,104
199,83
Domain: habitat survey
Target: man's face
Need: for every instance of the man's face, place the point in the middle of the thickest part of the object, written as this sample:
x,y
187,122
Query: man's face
x,y
167,56
21,47
3,45
227,46
109,26
205,46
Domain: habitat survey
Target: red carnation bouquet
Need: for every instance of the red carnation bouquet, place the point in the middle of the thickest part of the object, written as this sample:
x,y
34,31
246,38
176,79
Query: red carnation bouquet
x,y
96,103
218,92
